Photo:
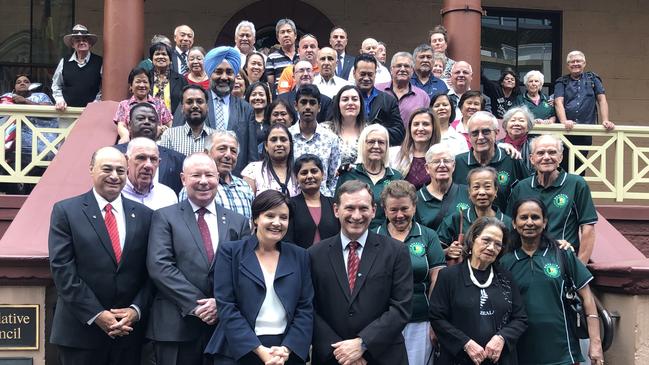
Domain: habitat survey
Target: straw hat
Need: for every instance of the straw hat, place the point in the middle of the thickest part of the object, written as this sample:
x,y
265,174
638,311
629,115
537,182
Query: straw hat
x,y
79,31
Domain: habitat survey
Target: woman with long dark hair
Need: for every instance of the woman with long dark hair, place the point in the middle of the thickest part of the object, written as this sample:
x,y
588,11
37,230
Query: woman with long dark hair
x,y
258,96
347,122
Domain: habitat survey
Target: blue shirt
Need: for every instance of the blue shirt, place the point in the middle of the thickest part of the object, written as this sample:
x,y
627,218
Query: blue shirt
x,y
432,87
225,104
580,96
367,100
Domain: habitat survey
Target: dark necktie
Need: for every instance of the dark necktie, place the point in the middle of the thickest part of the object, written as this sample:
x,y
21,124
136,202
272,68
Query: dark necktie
x,y
339,69
183,63
352,264
219,117
205,234
113,232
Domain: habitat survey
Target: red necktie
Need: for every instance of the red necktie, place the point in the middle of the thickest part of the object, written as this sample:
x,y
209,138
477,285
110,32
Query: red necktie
x,y
352,264
113,232
205,234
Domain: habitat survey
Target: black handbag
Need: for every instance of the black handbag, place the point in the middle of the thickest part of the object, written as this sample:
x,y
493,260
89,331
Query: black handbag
x,y
573,305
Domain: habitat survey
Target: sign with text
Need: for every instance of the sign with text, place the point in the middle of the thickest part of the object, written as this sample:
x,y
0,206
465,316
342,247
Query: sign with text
x,y
19,326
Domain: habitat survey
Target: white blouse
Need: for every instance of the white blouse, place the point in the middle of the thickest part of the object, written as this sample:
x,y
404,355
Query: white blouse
x,y
271,319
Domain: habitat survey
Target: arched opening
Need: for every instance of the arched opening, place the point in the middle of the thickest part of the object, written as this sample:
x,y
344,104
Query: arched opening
x,y
265,13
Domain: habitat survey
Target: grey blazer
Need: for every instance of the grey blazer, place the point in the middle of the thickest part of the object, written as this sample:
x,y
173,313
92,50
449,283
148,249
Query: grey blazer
x,y
179,269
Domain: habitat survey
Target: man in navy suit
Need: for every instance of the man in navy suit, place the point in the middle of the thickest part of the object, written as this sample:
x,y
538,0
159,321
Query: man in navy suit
x,y
182,245
97,246
363,288
144,122
345,62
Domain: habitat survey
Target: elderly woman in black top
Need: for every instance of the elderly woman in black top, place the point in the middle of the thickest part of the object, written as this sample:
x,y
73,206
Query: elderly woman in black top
x,y
476,309
313,213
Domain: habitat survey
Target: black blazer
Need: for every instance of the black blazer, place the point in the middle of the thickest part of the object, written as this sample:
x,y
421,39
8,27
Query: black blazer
x,y
301,227
241,121
175,64
454,314
176,84
348,63
240,290
385,111
171,165
325,113
178,266
377,310
87,277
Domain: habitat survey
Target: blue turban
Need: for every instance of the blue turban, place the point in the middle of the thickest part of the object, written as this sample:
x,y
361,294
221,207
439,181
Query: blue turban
x,y
214,58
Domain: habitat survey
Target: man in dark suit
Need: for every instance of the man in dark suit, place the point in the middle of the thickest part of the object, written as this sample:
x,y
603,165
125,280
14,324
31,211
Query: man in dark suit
x,y
184,39
338,41
380,107
224,110
363,288
97,245
144,122
182,244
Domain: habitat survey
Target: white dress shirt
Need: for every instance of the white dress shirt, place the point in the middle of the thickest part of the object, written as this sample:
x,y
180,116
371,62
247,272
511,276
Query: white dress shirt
x,y
359,251
118,212
211,219
57,78
158,196
272,318
331,87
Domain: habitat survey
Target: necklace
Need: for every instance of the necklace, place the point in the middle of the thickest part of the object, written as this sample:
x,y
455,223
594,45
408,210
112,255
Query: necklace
x,y
373,173
475,281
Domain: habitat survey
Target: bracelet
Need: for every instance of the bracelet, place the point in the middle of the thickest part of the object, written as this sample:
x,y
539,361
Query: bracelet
x,y
592,316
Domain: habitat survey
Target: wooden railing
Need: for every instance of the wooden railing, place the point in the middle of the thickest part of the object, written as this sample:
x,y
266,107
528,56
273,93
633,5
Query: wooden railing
x,y
617,165
41,127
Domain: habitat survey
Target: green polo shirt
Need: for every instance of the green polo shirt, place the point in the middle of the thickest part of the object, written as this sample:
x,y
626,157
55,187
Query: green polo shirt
x,y
568,201
541,111
425,254
449,229
509,172
358,173
548,339
429,206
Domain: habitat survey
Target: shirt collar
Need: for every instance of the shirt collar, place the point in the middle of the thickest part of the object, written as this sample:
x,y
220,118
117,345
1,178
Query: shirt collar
x,y
131,188
374,93
211,207
116,204
557,183
133,100
296,133
179,51
188,130
224,98
74,58
345,240
498,156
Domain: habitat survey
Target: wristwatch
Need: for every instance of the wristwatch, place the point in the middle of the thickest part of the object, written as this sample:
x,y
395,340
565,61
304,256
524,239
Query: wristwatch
x,y
363,345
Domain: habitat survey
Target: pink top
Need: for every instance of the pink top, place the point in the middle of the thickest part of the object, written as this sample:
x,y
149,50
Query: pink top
x,y
459,127
124,108
316,214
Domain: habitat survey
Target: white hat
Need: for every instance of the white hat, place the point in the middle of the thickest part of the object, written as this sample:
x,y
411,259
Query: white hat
x,y
79,31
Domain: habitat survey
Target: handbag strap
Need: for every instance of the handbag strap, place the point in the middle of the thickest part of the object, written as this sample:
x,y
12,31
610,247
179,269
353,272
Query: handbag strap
x,y
563,264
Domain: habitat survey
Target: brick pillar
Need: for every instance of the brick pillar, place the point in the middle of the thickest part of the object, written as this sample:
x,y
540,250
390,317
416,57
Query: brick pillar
x,y
462,20
123,42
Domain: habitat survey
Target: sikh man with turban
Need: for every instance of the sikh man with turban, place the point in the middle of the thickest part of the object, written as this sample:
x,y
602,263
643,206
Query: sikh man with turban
x,y
228,112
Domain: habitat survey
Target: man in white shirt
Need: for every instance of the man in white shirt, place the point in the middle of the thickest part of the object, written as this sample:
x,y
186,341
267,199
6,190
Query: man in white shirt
x,y
370,46
327,82
244,39
184,39
141,186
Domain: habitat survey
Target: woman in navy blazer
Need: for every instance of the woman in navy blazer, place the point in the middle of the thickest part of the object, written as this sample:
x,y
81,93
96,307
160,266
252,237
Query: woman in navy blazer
x,y
263,292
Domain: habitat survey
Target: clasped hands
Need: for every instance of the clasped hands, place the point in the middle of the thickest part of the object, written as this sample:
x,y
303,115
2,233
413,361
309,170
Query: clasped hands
x,y
349,352
492,351
275,355
117,322
206,310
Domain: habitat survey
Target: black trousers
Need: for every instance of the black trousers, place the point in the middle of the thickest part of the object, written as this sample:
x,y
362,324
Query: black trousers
x,y
108,355
181,353
252,359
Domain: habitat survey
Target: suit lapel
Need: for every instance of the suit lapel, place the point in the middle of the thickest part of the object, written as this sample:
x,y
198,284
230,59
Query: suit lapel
x,y
250,264
367,260
92,212
232,118
211,118
130,221
222,223
338,265
285,266
192,225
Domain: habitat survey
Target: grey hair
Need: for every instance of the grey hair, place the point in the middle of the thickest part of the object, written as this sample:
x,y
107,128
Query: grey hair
x,y
575,53
140,142
483,115
183,25
534,73
285,21
438,56
363,137
209,143
554,138
529,117
439,148
403,54
422,48
458,63
245,23
159,38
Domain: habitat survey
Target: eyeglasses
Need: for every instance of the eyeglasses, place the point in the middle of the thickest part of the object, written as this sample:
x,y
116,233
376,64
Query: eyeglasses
x,y
439,162
372,142
488,242
485,132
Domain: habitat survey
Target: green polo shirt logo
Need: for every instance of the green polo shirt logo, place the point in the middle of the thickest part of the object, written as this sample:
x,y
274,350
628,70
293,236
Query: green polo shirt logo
x,y
462,206
552,270
503,178
417,249
560,200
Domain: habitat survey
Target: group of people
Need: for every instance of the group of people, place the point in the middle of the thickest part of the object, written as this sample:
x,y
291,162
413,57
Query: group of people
x,y
342,221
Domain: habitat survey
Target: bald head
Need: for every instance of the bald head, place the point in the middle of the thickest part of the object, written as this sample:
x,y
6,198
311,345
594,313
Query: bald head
x,y
369,46
461,77
108,172
327,58
308,49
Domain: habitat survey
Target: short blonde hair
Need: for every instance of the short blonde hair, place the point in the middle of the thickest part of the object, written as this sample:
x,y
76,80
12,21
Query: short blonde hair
x,y
362,154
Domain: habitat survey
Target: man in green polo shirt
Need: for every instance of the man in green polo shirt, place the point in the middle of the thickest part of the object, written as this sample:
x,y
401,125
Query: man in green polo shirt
x,y
483,127
571,212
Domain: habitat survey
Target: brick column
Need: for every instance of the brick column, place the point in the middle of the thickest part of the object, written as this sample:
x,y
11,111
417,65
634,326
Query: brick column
x,y
462,20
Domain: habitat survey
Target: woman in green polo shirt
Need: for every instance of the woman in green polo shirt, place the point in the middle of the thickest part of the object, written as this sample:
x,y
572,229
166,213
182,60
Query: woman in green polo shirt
x,y
538,270
483,188
372,166
399,200
534,99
